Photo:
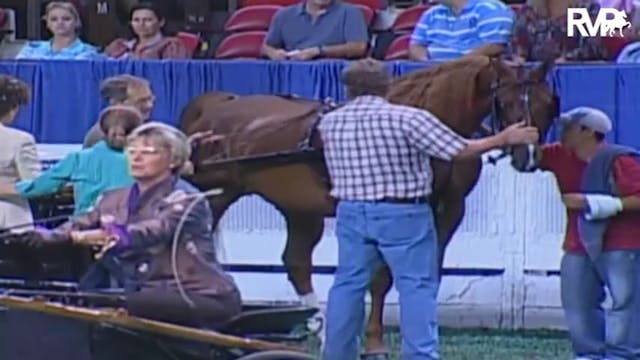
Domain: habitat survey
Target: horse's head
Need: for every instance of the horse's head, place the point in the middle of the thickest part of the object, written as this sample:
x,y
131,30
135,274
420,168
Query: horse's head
x,y
463,92
520,96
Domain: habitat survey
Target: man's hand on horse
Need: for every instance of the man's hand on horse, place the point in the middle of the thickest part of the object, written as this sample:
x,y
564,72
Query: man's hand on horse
x,y
574,201
205,137
520,133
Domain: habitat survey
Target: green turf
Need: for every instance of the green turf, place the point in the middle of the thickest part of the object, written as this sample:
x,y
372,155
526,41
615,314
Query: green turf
x,y
489,344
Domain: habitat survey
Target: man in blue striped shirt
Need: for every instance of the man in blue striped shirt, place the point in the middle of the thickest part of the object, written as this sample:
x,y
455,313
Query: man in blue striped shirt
x,y
455,28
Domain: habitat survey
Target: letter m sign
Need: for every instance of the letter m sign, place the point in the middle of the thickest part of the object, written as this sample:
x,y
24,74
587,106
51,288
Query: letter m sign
x,y
606,23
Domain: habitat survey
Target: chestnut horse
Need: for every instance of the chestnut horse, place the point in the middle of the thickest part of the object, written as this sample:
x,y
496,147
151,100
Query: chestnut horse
x,y
462,93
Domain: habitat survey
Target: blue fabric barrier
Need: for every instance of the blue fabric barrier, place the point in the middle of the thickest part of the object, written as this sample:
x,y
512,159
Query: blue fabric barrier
x,y
66,96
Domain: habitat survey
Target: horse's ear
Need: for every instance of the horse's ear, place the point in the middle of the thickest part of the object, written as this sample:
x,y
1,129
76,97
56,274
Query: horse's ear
x,y
540,72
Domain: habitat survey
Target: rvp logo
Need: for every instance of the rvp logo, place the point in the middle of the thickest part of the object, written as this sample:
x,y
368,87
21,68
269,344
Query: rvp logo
x,y
607,22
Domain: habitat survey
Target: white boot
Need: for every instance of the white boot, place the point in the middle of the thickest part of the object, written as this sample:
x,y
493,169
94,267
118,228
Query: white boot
x,y
316,323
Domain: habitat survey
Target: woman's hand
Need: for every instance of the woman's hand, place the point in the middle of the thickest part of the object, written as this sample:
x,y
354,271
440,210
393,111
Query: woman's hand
x,y
8,189
98,237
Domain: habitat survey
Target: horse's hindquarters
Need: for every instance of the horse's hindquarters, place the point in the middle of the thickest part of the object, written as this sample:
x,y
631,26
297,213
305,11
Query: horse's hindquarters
x,y
292,187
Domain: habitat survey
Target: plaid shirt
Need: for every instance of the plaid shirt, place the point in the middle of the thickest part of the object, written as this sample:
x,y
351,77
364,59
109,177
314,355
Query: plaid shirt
x,y
376,150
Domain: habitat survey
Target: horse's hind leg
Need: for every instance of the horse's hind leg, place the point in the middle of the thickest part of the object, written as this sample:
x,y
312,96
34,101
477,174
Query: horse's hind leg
x,y
379,288
304,231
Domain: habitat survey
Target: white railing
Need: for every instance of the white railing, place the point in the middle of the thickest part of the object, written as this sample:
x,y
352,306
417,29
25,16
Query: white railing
x,y
504,256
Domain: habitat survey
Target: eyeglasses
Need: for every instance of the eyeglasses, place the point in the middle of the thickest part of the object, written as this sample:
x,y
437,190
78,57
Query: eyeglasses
x,y
142,150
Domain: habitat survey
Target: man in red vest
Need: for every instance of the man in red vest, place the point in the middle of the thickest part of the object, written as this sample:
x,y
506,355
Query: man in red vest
x,y
600,186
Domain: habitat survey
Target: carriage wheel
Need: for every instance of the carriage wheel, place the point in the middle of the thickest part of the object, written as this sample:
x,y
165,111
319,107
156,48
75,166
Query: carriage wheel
x,y
278,355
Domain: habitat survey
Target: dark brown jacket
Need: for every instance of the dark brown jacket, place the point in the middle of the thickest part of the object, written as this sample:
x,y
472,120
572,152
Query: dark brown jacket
x,y
150,222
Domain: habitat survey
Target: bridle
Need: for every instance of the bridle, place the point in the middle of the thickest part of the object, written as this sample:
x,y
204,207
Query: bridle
x,y
497,110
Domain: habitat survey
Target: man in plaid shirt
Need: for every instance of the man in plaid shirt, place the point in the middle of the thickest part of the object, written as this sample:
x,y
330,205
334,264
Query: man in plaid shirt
x,y
377,155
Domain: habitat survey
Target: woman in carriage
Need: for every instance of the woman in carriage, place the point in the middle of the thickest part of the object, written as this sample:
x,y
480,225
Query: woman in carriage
x,y
160,228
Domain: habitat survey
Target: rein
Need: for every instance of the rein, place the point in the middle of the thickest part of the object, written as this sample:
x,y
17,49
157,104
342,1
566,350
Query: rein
x,y
7,232
497,107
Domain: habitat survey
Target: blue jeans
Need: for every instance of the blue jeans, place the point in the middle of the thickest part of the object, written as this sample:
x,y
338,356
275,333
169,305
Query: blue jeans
x,y
402,236
594,333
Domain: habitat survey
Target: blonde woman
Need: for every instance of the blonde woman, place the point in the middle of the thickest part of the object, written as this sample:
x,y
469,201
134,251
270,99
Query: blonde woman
x,y
64,22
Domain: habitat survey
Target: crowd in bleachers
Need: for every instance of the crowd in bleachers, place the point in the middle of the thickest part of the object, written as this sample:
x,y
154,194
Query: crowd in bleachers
x,y
312,29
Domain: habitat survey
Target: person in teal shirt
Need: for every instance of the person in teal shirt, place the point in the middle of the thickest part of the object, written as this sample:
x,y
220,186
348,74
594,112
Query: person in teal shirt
x,y
90,171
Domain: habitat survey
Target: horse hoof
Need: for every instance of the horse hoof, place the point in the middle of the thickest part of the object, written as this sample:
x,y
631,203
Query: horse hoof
x,y
377,356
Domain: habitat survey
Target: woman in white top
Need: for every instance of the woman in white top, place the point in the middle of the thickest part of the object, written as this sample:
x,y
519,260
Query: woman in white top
x,y
18,155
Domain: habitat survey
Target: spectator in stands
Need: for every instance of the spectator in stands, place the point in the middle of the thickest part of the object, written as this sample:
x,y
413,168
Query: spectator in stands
x,y
18,153
64,22
600,187
541,33
455,28
147,22
123,90
91,171
317,29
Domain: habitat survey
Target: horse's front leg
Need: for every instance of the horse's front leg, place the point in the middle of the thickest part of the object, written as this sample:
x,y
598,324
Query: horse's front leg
x,y
451,206
304,232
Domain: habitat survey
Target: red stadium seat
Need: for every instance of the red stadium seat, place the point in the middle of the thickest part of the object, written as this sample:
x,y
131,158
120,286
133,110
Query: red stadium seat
x,y
269,2
4,17
371,4
7,24
251,18
408,19
191,41
516,8
241,45
399,48
368,13
614,45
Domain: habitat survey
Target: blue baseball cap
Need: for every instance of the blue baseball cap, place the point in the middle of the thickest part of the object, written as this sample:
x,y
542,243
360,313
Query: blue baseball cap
x,y
588,117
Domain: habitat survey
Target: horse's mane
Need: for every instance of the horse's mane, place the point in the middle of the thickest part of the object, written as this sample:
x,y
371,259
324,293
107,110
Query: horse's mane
x,y
453,81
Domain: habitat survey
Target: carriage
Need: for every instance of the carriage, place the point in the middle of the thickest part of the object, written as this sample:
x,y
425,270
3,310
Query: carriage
x,y
44,315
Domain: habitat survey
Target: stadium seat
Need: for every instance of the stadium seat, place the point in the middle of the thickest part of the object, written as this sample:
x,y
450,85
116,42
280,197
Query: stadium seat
x,y
269,2
251,18
614,45
241,45
7,24
368,13
371,4
4,17
408,19
516,8
191,41
399,48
